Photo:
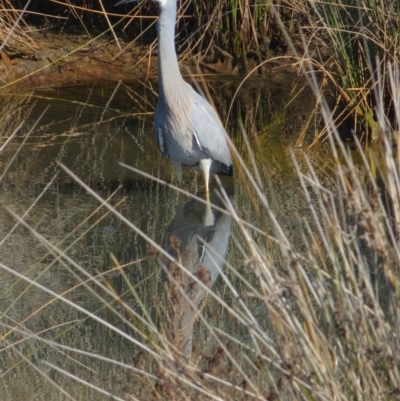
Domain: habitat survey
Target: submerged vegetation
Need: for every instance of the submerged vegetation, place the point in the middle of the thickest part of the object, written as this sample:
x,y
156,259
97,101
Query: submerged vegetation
x,y
311,313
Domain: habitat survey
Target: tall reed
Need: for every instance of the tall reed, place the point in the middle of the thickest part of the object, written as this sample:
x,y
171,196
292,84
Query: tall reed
x,y
312,315
288,316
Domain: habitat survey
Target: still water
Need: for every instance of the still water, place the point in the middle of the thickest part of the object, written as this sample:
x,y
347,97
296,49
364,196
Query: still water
x,y
67,236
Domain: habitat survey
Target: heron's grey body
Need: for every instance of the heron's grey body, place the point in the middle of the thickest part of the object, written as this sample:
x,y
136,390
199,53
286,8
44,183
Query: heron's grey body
x,y
187,128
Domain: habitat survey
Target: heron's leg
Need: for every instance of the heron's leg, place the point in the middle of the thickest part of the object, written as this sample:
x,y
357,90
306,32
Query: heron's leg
x,y
205,166
208,219
178,170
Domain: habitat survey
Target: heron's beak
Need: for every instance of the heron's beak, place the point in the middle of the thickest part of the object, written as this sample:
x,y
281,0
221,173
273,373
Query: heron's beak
x,y
124,2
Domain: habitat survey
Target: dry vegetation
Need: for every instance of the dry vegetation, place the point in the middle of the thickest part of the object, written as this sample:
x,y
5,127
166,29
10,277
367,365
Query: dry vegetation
x,y
311,318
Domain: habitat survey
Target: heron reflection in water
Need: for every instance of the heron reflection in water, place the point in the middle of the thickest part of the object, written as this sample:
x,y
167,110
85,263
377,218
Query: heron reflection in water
x,y
197,239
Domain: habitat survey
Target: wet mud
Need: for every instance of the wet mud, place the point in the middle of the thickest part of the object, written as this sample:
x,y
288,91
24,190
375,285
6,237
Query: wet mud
x,y
67,59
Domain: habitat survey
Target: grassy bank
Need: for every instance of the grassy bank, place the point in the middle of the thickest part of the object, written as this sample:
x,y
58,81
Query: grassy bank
x,y
352,43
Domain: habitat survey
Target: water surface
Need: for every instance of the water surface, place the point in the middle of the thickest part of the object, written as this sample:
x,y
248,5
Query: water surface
x,y
68,237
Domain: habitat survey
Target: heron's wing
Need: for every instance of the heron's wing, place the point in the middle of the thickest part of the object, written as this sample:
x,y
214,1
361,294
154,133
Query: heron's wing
x,y
160,139
208,131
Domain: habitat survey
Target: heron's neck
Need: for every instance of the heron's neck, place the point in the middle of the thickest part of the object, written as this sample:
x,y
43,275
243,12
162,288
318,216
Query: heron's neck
x,y
168,69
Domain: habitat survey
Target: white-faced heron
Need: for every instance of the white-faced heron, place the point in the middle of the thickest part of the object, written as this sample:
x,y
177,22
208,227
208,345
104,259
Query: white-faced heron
x,y
187,128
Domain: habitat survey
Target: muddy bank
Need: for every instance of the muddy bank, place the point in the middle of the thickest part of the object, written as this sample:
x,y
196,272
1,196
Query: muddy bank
x,y
62,59
72,59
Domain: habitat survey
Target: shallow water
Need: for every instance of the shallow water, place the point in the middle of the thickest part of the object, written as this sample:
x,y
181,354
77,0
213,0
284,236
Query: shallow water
x,y
67,236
